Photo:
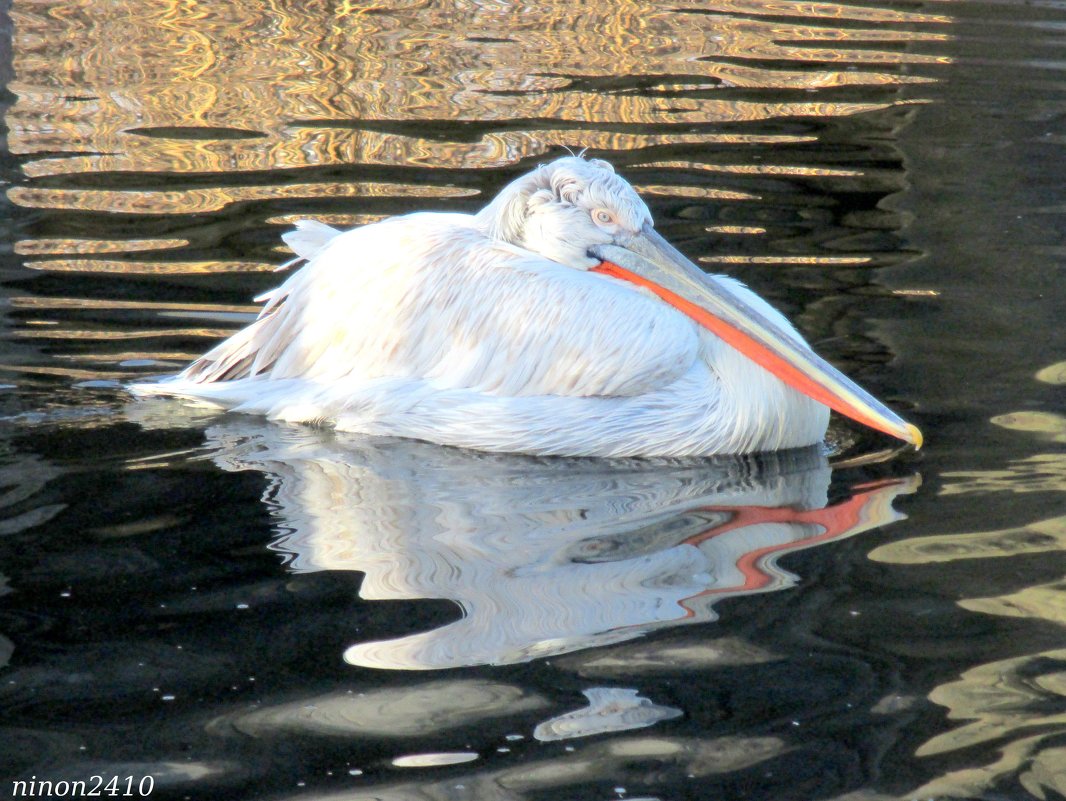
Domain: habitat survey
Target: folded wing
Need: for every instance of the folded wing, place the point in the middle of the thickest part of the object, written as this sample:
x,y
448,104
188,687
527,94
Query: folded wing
x,y
429,297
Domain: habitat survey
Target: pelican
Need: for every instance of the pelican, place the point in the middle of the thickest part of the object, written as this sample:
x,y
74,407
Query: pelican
x,y
555,321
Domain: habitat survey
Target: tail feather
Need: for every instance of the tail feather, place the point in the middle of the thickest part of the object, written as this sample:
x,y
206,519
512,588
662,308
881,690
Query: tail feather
x,y
271,298
255,349
250,352
229,360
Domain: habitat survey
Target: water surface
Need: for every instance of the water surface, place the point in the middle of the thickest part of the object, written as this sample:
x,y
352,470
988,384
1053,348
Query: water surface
x,y
246,610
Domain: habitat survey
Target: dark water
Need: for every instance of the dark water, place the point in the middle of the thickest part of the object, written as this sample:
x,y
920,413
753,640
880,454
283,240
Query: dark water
x,y
246,610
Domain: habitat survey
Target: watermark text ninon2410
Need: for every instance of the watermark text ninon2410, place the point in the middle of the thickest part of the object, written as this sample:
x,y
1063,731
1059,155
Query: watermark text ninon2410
x,y
93,787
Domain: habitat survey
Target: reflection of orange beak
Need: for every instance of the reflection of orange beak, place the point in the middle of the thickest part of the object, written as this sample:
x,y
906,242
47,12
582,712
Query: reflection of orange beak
x,y
653,263
871,506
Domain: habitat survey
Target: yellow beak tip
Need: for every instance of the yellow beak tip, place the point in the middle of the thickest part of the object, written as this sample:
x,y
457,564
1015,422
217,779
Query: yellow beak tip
x,y
915,437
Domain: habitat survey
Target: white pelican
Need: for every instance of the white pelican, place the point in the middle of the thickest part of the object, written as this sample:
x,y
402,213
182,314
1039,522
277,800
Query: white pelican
x,y
554,321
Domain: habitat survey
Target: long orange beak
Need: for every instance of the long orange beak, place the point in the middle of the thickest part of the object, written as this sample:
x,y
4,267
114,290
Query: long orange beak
x,y
653,263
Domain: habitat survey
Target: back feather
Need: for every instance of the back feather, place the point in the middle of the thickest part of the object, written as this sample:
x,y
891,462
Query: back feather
x,y
309,238
307,241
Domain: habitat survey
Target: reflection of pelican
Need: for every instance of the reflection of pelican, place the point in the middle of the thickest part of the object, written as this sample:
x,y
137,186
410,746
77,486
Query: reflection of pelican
x,y
555,321
543,555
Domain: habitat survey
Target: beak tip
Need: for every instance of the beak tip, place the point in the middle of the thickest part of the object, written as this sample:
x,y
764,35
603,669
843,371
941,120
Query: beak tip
x,y
915,436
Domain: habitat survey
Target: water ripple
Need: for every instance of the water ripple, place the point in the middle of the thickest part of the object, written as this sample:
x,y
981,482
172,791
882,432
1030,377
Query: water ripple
x,y
543,556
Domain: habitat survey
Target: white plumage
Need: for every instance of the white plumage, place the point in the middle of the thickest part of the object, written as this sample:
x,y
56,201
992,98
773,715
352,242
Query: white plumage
x,y
493,331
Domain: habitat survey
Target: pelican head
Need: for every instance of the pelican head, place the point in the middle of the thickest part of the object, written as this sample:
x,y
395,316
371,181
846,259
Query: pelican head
x,y
580,213
565,209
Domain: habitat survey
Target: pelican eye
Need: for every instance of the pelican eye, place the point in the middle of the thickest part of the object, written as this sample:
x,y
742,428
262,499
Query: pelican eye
x,y
603,217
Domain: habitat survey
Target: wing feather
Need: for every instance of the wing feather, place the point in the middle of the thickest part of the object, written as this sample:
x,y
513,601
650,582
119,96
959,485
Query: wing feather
x,y
429,296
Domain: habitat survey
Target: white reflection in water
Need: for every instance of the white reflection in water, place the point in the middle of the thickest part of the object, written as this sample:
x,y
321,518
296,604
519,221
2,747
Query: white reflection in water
x,y
544,556
610,709
411,711
434,760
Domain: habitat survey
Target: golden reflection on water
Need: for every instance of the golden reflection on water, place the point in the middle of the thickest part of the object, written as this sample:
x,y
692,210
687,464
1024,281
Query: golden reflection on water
x,y
785,259
196,201
735,229
104,266
1045,425
327,146
1010,698
1041,536
1053,374
1044,472
754,169
1045,601
63,372
706,192
51,247
103,334
341,220
245,114
1013,703
191,91
30,302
